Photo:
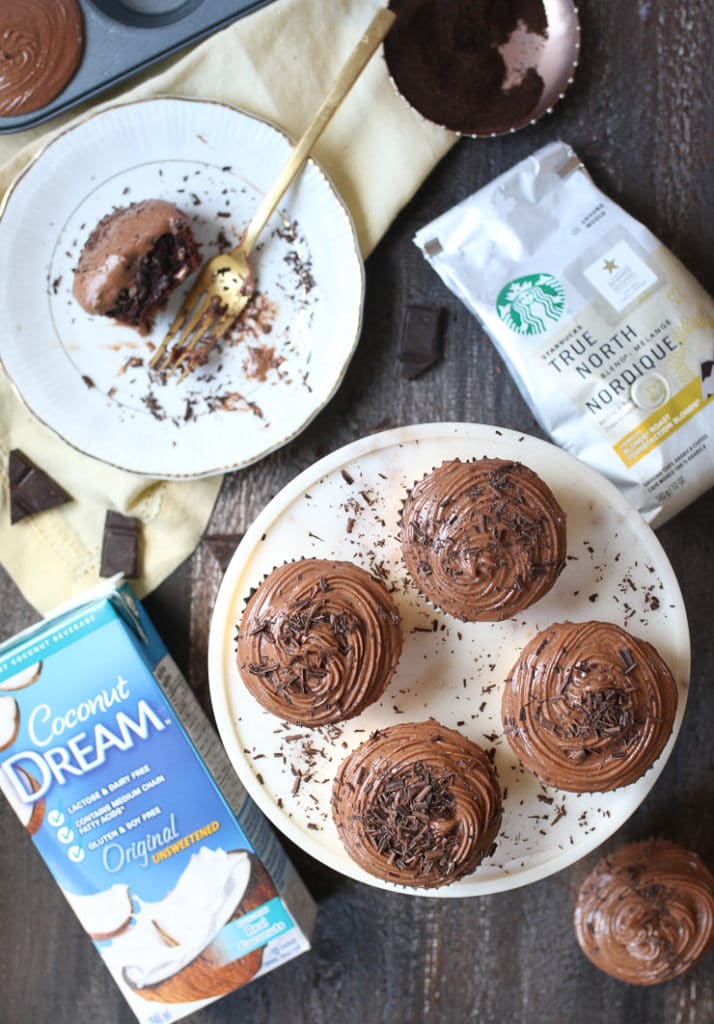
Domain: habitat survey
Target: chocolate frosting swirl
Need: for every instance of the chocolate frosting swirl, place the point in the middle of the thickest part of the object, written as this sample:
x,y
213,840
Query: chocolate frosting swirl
x,y
484,539
40,49
318,641
417,804
588,707
646,913
110,257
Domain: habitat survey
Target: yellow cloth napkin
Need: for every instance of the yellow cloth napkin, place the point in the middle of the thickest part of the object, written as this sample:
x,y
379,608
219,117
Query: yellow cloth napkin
x,y
277,63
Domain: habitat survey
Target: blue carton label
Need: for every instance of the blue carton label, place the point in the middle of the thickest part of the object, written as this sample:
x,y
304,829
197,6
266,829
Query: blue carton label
x,y
122,808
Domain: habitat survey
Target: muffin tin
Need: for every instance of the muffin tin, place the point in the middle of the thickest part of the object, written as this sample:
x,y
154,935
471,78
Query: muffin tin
x,y
120,40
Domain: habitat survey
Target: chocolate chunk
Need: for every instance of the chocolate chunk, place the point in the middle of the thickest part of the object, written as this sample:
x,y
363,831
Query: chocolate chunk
x,y
419,340
120,545
31,489
222,546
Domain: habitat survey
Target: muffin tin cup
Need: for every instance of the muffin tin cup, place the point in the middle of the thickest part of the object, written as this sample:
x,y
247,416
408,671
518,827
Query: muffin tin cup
x,y
120,40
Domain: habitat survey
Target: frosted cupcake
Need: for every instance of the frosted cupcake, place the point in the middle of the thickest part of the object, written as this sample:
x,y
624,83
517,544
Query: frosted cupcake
x,y
417,804
646,913
319,641
483,540
588,707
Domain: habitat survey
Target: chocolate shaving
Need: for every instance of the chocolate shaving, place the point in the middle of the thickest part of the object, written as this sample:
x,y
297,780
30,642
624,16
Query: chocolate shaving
x,y
411,821
628,660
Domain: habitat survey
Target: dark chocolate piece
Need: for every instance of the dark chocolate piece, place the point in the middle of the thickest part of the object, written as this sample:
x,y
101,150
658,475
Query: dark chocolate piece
x,y
120,546
222,546
419,339
31,489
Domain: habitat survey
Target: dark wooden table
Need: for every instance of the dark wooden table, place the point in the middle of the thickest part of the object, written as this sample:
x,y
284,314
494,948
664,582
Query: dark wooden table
x,y
640,115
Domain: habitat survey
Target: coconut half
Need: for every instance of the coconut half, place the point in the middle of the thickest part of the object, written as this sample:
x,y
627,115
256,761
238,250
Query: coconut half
x,y
171,953
31,815
103,915
22,679
9,721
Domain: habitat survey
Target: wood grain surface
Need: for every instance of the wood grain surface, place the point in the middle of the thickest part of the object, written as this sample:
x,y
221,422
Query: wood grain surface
x,y
640,114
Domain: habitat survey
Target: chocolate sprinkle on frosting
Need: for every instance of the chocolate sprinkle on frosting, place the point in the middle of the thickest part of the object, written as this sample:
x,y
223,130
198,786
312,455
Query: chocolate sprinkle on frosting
x,y
588,707
484,539
646,913
417,804
319,641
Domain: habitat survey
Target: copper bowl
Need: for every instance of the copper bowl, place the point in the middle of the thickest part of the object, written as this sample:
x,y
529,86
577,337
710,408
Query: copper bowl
x,y
553,56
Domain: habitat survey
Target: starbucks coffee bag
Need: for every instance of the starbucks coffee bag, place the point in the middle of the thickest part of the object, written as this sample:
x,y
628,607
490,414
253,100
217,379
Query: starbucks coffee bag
x,y
608,337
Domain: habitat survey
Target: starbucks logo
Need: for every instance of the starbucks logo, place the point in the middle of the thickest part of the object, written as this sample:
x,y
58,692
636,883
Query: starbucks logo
x,y
529,305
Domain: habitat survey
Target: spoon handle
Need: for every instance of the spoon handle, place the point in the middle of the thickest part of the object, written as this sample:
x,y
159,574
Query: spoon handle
x,y
375,33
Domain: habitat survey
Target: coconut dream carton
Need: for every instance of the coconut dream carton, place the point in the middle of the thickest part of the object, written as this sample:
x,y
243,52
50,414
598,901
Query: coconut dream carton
x,y
115,772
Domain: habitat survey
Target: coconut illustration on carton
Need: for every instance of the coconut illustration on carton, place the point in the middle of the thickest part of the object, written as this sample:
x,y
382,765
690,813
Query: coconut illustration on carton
x,y
9,721
31,814
25,677
171,950
103,915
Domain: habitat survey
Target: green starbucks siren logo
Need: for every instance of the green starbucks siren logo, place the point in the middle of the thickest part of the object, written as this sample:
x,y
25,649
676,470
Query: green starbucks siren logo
x,y
529,305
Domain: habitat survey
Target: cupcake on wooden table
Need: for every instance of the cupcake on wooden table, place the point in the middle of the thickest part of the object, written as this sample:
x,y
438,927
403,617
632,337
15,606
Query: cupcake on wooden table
x,y
484,539
319,641
646,913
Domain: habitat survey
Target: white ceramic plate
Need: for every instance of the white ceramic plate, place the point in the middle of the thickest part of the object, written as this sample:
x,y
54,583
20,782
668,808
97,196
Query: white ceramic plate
x,y
87,379
450,670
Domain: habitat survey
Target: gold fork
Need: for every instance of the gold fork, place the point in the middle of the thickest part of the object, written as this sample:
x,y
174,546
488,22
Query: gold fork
x,y
226,282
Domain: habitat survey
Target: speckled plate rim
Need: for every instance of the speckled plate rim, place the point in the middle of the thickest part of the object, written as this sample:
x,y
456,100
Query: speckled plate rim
x,y
356,253
222,631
